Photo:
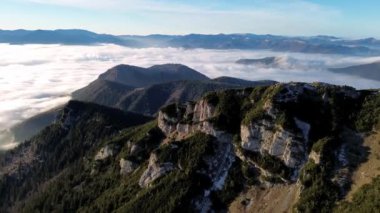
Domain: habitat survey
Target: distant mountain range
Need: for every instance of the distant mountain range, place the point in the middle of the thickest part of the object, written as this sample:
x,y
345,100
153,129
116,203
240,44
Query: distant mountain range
x,y
314,44
69,37
368,71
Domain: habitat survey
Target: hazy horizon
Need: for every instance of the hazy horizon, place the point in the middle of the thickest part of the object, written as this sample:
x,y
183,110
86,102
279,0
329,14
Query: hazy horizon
x,y
184,34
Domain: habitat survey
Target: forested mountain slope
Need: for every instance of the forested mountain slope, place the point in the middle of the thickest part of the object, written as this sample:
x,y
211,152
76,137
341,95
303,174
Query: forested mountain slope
x,y
203,155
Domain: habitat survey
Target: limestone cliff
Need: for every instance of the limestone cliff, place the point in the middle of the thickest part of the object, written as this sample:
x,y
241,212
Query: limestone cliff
x,y
188,119
154,171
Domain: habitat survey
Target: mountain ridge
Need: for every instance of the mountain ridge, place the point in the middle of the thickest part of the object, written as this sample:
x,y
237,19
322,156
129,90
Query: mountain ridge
x,y
368,71
312,44
202,154
139,77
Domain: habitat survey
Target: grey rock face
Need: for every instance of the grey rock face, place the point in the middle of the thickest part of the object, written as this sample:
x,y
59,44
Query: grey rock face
x,y
316,157
126,166
105,152
265,136
276,141
200,113
135,149
218,166
154,171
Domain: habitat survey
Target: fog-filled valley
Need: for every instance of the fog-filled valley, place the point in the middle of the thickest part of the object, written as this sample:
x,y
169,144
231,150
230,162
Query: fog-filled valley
x,y
36,78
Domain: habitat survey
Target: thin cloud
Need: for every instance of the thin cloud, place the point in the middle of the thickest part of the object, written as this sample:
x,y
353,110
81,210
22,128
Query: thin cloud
x,y
120,5
177,17
24,63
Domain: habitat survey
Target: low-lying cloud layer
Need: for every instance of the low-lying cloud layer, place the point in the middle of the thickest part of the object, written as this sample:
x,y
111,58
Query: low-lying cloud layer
x,y
34,78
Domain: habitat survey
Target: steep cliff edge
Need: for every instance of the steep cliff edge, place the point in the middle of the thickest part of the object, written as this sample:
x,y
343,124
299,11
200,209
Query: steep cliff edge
x,y
279,130
276,120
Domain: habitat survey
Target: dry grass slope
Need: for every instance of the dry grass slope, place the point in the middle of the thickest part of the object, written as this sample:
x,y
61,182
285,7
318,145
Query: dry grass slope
x,y
369,169
274,199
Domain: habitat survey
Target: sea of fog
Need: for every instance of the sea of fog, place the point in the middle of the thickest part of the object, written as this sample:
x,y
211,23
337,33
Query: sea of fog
x,y
35,78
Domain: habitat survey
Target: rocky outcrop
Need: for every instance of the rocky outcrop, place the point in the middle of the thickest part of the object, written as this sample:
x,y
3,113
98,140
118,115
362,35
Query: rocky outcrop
x,y
316,157
154,171
219,163
202,111
126,166
192,118
258,136
218,166
135,149
265,137
105,152
289,144
196,118
292,91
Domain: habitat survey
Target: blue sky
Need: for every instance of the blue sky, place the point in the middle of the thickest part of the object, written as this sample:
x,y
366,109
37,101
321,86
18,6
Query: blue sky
x,y
347,18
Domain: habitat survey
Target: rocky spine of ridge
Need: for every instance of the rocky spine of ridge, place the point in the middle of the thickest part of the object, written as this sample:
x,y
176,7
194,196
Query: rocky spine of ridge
x,y
286,132
270,128
204,154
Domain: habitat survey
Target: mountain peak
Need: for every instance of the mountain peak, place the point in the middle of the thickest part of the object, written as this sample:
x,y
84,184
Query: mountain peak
x,y
141,77
173,83
170,67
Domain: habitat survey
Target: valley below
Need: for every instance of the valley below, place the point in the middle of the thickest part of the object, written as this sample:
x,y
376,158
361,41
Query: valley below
x,y
45,75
